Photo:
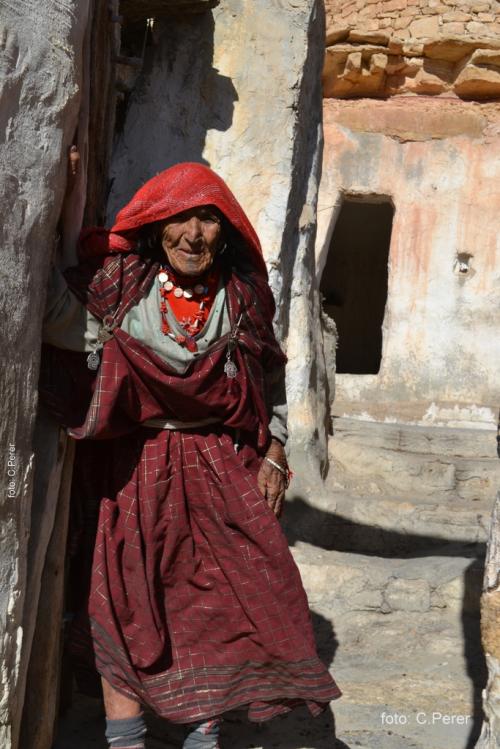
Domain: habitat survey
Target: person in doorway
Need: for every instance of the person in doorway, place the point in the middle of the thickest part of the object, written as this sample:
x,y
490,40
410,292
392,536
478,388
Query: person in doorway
x,y
192,604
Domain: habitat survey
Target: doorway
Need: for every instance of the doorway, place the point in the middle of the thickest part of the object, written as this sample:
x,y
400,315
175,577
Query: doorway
x,y
354,282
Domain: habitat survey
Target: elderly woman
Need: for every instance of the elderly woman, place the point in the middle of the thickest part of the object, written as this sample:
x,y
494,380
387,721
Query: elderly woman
x,y
192,603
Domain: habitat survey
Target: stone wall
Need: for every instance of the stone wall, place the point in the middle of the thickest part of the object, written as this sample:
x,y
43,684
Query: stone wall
x,y
417,19
397,47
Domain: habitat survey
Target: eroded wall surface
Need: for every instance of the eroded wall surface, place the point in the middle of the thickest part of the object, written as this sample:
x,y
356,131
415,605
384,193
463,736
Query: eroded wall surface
x,y
439,162
41,44
248,103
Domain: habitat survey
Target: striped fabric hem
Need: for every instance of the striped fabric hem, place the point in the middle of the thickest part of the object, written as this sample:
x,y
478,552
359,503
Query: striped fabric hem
x,y
184,696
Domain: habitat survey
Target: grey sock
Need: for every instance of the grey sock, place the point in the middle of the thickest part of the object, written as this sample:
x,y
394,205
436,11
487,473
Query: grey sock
x,y
203,735
126,733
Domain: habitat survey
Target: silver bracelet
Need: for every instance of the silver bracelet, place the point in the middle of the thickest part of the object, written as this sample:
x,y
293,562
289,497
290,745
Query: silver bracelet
x,y
282,470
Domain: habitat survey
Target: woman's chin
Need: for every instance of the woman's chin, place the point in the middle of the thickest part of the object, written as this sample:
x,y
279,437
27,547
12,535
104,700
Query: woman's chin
x,y
191,265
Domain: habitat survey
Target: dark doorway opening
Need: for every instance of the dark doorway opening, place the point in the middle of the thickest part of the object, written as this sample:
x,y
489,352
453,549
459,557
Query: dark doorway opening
x,y
354,282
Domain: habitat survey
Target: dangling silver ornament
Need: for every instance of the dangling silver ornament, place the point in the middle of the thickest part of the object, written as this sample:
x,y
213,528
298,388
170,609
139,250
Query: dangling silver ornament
x,y
163,277
93,361
230,369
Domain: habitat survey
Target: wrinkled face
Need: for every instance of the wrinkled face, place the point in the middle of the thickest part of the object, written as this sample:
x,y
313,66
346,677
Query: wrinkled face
x,y
190,239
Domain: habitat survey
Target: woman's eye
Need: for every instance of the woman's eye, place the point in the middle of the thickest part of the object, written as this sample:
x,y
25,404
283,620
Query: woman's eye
x,y
210,218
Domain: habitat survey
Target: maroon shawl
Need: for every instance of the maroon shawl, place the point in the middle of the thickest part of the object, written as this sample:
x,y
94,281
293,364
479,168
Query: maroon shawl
x,y
133,384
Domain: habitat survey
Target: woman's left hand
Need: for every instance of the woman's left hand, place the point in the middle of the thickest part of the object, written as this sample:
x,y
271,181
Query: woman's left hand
x,y
272,482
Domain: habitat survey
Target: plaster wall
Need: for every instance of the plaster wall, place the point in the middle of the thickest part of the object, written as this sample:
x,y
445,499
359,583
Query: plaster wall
x,y
439,162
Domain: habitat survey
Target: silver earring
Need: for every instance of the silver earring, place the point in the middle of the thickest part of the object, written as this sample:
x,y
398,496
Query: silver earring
x,y
223,249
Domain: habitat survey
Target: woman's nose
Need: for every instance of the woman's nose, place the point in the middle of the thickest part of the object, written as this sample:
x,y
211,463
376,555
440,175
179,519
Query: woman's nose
x,y
192,229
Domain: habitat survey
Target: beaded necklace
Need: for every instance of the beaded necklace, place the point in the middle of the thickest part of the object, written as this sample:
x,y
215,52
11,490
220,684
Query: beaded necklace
x,y
190,300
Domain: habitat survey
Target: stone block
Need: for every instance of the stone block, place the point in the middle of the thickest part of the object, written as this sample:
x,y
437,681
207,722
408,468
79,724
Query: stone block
x,y
454,28
402,23
486,17
478,83
370,37
351,19
426,83
372,24
395,46
408,595
486,57
413,49
354,62
474,27
378,63
447,48
456,15
336,34
480,7
394,5
425,27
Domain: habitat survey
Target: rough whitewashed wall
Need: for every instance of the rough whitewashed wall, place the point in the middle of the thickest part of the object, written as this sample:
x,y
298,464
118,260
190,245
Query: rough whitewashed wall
x,y
41,48
490,635
248,103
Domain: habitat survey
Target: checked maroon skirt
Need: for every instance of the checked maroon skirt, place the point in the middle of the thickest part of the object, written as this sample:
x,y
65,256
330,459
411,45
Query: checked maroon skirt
x,y
196,606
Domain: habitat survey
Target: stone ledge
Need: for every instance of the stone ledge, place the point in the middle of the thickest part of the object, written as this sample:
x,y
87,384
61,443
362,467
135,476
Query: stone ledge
x,y
361,63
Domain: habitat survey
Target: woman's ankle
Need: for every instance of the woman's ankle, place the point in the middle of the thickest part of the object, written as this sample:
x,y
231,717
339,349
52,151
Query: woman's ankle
x,y
126,733
203,734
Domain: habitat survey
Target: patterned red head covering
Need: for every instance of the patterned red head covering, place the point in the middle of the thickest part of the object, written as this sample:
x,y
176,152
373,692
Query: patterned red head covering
x,y
172,191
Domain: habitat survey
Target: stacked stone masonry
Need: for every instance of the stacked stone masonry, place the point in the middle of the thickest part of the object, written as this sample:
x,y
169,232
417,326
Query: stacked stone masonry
x,y
429,47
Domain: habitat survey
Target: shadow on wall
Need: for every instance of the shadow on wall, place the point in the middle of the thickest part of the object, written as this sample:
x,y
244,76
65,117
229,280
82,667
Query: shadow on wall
x,y
177,98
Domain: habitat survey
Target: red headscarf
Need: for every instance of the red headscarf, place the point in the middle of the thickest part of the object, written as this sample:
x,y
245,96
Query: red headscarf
x,y
172,191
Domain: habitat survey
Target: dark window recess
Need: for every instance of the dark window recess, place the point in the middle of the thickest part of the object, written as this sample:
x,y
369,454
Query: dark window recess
x,y
354,283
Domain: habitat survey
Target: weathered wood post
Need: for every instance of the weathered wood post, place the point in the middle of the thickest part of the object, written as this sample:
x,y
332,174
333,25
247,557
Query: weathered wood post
x,y
490,635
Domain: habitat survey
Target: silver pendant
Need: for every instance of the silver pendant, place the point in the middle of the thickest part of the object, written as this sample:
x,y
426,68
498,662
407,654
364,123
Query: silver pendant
x,y
169,285
93,361
188,293
163,277
230,369
199,288
178,292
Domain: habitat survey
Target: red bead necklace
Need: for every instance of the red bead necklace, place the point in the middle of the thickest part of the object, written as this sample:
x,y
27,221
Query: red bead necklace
x,y
190,301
